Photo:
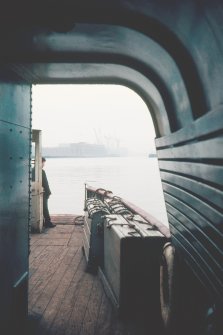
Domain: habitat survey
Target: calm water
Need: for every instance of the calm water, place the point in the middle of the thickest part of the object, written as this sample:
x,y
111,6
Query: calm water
x,y
135,179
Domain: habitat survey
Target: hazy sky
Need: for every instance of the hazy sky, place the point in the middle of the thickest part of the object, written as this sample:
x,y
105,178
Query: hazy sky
x,y
106,114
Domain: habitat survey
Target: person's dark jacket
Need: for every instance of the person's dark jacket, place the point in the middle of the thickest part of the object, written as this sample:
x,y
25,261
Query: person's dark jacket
x,y
45,184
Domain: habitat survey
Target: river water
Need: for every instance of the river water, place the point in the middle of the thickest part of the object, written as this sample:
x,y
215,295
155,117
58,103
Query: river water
x,y
135,179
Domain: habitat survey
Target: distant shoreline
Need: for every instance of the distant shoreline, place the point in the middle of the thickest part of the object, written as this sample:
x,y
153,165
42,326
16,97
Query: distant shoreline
x,y
109,156
82,156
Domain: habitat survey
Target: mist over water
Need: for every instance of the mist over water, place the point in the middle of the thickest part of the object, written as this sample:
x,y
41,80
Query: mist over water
x,y
135,179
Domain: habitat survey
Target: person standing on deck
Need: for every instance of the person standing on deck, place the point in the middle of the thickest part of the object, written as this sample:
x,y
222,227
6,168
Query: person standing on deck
x,y
46,195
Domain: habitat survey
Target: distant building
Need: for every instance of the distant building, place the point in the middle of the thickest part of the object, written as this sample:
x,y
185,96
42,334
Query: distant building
x,y
81,149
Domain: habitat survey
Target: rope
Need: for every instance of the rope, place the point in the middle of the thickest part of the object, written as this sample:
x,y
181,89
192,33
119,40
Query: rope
x,y
79,220
99,189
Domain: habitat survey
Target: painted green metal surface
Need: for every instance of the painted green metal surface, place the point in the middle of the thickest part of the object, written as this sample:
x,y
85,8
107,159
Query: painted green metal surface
x,y
14,205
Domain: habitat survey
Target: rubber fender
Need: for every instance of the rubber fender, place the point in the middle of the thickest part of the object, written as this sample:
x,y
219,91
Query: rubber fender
x,y
168,301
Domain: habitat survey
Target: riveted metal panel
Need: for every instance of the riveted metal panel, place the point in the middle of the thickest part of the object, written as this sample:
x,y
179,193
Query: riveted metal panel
x,y
14,106
15,136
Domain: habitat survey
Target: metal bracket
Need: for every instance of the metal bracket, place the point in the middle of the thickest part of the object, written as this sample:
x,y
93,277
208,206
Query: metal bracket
x,y
109,225
131,218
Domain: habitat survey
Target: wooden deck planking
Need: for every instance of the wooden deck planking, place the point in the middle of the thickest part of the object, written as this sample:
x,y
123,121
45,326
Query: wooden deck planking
x,y
91,315
64,299
103,325
44,275
55,275
60,322
36,251
42,262
80,305
66,288
65,219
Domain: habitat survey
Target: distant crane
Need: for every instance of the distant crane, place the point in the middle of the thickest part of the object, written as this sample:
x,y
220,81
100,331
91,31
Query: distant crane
x,y
97,137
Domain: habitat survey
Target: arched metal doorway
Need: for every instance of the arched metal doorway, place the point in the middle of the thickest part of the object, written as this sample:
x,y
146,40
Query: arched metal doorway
x,y
172,56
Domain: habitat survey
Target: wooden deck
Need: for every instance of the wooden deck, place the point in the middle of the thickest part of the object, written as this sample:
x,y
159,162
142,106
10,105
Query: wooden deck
x,y
63,298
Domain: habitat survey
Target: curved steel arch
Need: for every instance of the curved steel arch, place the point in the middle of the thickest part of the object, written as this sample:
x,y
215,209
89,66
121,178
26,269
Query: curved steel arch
x,y
114,47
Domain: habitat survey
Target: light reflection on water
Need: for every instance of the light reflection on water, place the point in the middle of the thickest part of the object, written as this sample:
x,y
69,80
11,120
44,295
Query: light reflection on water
x,y
135,179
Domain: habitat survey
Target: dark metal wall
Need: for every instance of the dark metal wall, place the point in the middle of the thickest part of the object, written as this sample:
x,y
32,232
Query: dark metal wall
x,y
14,205
190,162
